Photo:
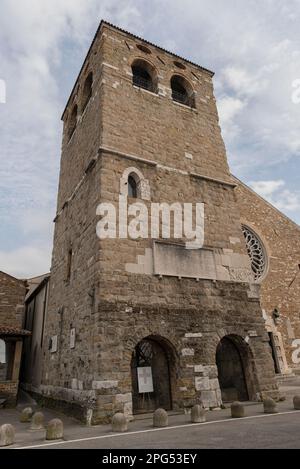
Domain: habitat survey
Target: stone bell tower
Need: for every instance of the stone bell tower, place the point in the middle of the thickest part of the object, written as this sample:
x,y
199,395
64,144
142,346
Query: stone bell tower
x,y
136,324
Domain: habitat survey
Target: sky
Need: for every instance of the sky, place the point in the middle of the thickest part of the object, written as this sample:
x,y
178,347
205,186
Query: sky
x,y
252,45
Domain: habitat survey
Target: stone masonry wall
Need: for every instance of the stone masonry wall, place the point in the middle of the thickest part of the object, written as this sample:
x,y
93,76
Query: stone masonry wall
x,y
281,286
12,294
113,298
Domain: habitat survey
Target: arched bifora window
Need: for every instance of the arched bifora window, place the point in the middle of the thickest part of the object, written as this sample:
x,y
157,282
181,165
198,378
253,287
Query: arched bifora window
x,y
87,90
72,121
133,186
144,75
182,91
257,253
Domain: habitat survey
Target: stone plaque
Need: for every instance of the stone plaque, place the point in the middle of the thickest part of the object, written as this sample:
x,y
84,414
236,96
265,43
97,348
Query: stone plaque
x,y
145,380
177,261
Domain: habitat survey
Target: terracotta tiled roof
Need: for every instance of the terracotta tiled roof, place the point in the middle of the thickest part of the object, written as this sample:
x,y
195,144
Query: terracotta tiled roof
x,y
13,331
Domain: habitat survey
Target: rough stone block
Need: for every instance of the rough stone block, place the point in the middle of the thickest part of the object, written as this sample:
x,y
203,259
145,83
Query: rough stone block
x,y
7,435
296,401
55,430
214,384
119,423
37,422
237,410
26,415
198,414
202,384
209,399
270,406
160,418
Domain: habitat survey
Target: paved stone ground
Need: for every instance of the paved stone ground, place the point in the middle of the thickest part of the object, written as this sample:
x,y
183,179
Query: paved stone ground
x,y
255,431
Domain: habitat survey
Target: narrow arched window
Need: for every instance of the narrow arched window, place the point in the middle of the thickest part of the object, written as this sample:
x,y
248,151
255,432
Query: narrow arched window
x,y
182,92
132,187
87,90
73,121
144,75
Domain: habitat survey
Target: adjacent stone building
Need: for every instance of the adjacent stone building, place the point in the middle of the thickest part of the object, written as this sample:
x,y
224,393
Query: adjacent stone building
x,y
36,305
12,294
135,324
274,245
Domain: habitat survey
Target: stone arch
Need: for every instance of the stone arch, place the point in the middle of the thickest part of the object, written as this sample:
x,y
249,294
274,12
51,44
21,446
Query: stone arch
x,y
158,357
87,91
144,74
72,121
143,186
182,90
236,368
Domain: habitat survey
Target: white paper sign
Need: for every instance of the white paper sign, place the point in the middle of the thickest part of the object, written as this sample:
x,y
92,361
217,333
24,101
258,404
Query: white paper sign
x,y
145,380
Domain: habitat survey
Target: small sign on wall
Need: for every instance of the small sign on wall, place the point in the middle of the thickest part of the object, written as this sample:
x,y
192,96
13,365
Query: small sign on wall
x,y
72,338
53,344
145,380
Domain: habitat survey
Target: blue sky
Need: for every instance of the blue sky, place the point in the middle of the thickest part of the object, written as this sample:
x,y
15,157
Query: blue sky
x,y
253,46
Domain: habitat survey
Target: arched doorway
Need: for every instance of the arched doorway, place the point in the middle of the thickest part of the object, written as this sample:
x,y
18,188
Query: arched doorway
x,y
231,370
150,372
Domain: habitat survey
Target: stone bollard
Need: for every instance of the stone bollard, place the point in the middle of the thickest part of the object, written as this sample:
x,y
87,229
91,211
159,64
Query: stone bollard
x,y
55,430
26,415
198,414
296,402
160,418
37,422
7,435
237,410
119,423
270,406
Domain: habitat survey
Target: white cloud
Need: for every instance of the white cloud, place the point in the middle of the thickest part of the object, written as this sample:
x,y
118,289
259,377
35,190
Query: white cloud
x,y
266,188
254,49
32,38
229,108
26,261
278,195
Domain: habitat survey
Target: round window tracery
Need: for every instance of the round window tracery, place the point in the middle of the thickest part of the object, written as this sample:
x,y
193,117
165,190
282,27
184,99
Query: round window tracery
x,y
257,253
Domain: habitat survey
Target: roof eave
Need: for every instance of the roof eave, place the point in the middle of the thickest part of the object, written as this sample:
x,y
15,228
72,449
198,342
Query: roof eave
x,y
106,23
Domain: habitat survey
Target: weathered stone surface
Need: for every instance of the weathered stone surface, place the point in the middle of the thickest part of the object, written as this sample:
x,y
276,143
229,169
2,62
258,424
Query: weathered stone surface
x,y
270,406
7,435
12,298
119,423
26,415
37,421
296,402
202,384
111,308
237,410
281,240
55,430
198,414
160,418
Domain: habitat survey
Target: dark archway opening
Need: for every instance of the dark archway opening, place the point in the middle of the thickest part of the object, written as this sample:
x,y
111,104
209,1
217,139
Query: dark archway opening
x,y
144,75
151,378
132,187
231,371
